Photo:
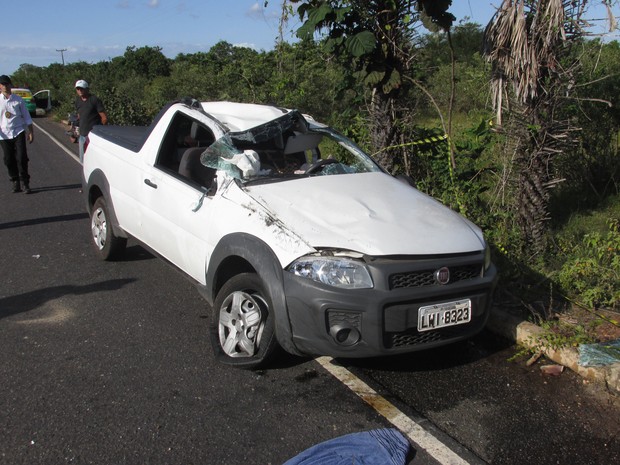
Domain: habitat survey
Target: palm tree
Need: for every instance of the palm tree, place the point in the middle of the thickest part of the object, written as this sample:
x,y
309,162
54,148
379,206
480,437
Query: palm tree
x,y
528,43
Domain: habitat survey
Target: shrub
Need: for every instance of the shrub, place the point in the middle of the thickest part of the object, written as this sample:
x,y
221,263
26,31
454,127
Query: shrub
x,y
593,268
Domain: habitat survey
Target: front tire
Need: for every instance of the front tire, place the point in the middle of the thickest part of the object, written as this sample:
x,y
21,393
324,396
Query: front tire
x,y
107,244
242,325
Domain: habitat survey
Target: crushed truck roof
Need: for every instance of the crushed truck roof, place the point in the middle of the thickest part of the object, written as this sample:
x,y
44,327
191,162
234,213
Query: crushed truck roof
x,y
242,116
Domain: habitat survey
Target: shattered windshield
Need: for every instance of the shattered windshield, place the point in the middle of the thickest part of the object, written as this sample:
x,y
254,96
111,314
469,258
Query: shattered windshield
x,y
286,148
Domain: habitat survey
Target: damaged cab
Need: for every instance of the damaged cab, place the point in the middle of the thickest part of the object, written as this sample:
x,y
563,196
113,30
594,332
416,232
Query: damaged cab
x,y
296,237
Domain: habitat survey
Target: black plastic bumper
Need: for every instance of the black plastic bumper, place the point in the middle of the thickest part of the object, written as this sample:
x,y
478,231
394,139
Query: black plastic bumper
x,y
383,321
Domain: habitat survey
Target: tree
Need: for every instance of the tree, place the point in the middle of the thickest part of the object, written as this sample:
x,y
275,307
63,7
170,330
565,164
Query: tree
x,y
378,37
528,43
466,39
146,62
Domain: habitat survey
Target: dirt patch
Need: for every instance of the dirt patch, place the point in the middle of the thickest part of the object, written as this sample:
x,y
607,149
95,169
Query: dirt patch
x,y
571,321
602,325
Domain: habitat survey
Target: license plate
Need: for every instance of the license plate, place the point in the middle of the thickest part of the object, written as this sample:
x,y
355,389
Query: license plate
x,y
445,314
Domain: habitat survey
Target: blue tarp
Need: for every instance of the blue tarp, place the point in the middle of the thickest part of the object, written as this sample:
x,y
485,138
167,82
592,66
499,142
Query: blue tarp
x,y
376,447
600,354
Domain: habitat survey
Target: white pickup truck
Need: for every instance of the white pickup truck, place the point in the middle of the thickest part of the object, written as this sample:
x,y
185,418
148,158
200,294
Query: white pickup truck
x,y
296,237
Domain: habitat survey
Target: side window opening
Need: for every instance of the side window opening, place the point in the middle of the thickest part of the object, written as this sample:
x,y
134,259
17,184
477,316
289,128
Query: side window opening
x,y
180,151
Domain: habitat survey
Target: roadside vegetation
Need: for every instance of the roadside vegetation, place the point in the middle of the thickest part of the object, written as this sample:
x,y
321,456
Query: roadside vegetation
x,y
515,125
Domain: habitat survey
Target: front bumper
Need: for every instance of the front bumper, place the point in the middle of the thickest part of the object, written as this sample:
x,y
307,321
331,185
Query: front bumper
x,y
383,320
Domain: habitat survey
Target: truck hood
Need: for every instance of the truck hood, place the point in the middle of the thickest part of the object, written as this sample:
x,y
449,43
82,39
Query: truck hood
x,y
369,213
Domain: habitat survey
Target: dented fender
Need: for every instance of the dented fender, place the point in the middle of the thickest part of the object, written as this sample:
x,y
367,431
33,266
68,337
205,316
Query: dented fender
x,y
241,249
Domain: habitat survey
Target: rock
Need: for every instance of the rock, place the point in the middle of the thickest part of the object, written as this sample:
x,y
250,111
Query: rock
x,y
552,370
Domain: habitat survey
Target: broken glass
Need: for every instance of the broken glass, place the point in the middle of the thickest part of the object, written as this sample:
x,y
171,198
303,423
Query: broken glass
x,y
272,130
286,147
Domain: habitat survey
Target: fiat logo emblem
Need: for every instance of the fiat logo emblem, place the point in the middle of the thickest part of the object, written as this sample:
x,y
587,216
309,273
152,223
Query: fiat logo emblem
x,y
442,275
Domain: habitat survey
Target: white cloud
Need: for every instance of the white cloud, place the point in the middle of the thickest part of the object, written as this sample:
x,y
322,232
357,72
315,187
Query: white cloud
x,y
246,45
256,11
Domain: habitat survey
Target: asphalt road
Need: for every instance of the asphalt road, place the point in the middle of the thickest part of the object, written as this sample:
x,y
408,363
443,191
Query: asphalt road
x,y
109,363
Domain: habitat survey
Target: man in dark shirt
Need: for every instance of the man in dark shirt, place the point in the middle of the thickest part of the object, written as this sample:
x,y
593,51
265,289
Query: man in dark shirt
x,y
90,111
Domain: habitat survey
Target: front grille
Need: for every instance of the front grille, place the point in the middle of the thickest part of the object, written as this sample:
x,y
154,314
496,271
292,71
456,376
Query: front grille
x,y
427,277
413,337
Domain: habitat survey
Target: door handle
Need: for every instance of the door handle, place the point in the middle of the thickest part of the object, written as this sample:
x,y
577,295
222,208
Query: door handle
x,y
150,183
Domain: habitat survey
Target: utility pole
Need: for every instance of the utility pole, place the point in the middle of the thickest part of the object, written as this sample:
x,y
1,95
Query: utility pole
x,y
62,54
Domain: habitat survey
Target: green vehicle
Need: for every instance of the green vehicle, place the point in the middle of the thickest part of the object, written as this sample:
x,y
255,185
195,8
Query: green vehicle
x,y
37,104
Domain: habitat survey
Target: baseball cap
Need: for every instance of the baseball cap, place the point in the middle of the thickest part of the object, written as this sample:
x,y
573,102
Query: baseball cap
x,y
81,83
4,79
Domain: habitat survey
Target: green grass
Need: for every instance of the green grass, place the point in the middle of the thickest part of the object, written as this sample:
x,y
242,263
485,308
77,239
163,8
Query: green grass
x,y
590,220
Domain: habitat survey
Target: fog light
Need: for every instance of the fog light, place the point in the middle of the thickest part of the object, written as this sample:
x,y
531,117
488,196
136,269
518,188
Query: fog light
x,y
345,335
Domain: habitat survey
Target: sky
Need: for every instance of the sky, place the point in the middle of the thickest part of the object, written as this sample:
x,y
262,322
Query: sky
x,y
42,32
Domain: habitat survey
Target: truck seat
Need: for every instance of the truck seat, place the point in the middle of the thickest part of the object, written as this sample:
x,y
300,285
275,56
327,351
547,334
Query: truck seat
x,y
191,167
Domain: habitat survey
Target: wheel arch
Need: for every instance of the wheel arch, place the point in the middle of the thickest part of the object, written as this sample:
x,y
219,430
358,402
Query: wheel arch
x,y
98,186
241,253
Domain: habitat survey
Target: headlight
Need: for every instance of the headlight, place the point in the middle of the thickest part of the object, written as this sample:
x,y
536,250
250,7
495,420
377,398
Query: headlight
x,y
334,271
487,257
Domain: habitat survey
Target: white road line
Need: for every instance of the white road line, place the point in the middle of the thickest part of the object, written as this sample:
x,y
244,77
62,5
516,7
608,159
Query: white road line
x,y
406,425
58,143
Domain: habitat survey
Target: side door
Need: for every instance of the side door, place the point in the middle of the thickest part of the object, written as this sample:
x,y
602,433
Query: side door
x,y
43,100
177,205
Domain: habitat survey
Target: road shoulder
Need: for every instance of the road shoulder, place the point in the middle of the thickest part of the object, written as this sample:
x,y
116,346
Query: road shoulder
x,y
528,335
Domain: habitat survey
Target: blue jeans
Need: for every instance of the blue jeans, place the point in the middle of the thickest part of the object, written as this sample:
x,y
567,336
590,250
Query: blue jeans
x,y
376,447
81,141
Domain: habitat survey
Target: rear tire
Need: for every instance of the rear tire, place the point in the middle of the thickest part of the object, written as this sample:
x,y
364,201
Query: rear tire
x,y
107,244
242,324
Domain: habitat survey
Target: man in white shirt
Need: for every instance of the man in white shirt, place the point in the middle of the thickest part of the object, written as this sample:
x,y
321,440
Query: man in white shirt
x,y
15,127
